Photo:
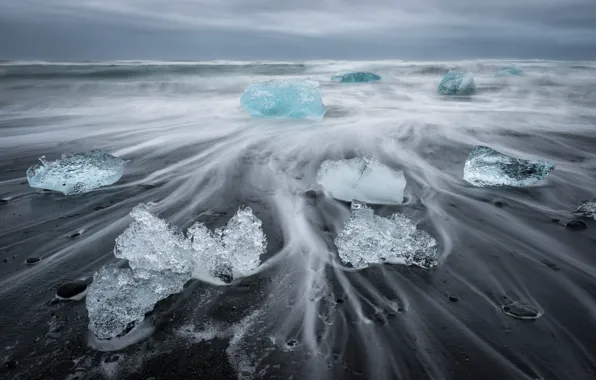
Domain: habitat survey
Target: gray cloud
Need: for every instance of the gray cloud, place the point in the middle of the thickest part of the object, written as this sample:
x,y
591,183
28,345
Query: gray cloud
x,y
277,29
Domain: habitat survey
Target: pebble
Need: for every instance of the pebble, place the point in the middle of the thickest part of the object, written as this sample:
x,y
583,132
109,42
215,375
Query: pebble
x,y
71,289
521,310
576,225
33,260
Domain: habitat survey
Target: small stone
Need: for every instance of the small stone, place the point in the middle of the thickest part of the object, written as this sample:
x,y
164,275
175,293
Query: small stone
x,y
11,364
97,208
453,298
112,359
339,300
33,260
5,260
521,310
500,204
76,234
292,343
401,309
3,201
53,335
576,225
71,289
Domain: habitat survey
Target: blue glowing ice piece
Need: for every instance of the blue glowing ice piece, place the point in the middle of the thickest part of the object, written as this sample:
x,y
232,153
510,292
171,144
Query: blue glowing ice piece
x,y
285,99
357,77
457,83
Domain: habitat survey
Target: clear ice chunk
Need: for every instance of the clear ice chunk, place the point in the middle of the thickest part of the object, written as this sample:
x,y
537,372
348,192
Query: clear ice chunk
x,y
150,243
234,249
288,98
486,167
119,298
364,179
587,209
76,173
457,83
511,70
368,239
357,77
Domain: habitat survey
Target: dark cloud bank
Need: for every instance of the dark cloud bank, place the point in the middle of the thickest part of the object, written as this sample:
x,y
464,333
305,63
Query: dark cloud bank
x,y
272,29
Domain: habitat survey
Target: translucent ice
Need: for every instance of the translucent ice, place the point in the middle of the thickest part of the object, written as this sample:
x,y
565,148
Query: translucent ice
x,y
119,298
511,71
290,98
150,243
370,239
364,179
587,209
235,248
356,77
487,167
457,83
76,173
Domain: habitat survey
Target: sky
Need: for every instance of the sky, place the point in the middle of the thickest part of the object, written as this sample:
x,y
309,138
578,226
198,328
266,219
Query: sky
x,y
66,30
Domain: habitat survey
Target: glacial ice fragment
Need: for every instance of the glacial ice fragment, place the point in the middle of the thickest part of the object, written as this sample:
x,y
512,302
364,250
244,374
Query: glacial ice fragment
x,y
511,70
368,239
289,98
231,250
76,173
364,179
150,243
357,77
487,167
587,209
457,83
119,298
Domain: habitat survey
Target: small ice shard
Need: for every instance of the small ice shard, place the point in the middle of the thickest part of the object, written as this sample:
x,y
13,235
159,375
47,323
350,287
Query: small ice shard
x,y
364,179
368,239
587,209
487,167
357,77
150,243
511,70
289,98
76,173
521,310
119,298
232,250
457,83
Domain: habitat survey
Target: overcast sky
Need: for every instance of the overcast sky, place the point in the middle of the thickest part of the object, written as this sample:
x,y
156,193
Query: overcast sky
x,y
296,29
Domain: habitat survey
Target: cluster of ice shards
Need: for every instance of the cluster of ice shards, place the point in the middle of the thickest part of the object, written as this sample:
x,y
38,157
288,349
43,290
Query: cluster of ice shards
x,y
368,239
357,77
364,179
587,209
289,98
457,83
487,167
76,173
511,70
162,260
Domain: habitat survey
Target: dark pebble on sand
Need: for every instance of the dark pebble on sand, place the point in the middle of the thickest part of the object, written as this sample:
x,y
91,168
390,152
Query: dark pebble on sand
x,y
401,309
500,204
3,201
112,359
4,260
53,335
576,225
291,343
76,234
97,208
339,300
11,364
453,298
71,289
32,260
521,310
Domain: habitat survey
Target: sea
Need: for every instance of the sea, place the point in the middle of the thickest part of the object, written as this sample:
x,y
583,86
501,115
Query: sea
x,y
194,155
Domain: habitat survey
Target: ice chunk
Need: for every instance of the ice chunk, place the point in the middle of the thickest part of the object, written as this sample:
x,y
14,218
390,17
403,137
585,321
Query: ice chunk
x,y
119,298
511,70
234,249
487,167
289,98
150,243
368,239
457,83
356,77
76,173
587,209
364,179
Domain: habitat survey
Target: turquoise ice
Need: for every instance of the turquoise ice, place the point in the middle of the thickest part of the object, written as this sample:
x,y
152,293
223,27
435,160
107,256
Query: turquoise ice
x,y
289,98
357,77
76,173
457,83
511,70
486,167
